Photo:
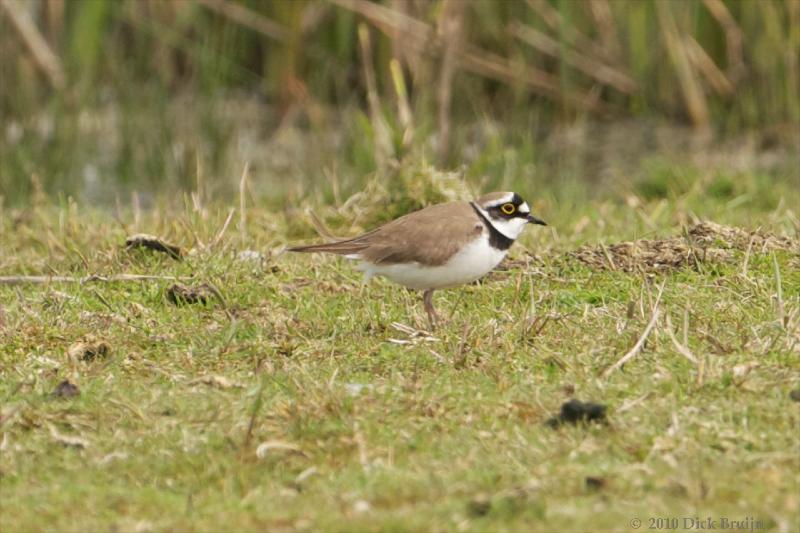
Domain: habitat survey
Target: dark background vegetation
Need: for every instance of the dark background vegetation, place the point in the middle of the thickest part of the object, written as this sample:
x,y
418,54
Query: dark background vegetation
x,y
103,98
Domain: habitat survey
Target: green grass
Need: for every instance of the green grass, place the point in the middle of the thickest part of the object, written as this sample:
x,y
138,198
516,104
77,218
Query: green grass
x,y
441,434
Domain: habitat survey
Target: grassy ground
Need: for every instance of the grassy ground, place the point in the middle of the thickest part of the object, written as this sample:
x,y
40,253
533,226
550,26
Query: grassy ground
x,y
298,403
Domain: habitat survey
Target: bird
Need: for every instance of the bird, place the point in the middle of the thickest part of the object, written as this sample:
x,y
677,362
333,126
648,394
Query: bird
x,y
440,246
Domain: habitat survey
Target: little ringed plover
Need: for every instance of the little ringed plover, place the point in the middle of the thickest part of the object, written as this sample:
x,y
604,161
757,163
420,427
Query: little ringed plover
x,y
440,246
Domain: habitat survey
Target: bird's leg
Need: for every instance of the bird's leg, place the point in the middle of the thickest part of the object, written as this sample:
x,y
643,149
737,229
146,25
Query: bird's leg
x,y
427,299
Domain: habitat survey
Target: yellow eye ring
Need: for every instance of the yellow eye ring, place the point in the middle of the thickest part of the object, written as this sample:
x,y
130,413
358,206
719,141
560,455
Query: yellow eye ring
x,y
508,209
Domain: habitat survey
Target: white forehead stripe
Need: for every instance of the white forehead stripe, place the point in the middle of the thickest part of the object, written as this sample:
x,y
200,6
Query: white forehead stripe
x,y
524,208
502,200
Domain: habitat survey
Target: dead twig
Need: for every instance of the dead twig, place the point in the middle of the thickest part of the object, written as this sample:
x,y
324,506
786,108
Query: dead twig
x,y
31,280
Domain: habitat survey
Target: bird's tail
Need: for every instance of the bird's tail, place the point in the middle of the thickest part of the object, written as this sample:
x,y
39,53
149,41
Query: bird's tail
x,y
341,248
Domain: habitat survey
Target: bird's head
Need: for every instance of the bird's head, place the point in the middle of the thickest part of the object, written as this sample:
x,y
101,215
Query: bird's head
x,y
507,212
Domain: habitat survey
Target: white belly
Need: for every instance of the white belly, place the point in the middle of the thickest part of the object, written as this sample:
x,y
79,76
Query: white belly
x,y
474,261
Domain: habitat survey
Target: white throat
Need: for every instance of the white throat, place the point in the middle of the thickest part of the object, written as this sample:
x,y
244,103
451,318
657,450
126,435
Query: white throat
x,y
510,228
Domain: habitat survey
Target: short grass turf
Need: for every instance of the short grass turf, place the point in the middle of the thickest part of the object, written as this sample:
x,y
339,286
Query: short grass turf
x,y
297,402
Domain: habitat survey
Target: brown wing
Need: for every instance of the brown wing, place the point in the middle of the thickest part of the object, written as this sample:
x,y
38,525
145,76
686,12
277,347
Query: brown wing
x,y
429,236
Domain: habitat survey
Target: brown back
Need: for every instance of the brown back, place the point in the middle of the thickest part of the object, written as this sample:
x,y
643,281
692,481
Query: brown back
x,y
429,236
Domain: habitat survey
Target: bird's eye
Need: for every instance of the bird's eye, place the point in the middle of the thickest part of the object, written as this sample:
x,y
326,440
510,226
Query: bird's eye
x,y
508,209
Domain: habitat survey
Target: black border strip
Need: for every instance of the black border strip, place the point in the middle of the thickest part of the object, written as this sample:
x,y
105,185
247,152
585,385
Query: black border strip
x,y
496,239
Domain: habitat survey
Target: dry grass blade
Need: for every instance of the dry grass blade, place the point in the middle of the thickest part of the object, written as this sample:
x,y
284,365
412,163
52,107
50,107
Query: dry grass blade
x,y
733,37
43,57
636,347
381,136
218,238
450,32
422,37
746,260
556,22
68,440
320,227
606,27
779,292
253,414
271,446
248,18
591,66
403,106
682,349
243,202
415,336
639,343
693,95
715,77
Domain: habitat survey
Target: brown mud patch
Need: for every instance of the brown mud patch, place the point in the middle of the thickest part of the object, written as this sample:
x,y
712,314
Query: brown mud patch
x,y
706,242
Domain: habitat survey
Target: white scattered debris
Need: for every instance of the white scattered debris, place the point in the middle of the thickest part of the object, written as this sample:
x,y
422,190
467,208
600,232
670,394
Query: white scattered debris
x,y
68,440
741,371
215,381
354,389
113,456
270,446
251,256
361,506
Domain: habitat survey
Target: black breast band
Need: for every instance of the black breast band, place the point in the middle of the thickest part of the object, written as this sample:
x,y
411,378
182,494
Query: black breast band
x,y
496,239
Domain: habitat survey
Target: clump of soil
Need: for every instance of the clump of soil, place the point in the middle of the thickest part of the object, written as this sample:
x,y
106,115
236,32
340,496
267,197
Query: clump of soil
x,y
180,294
89,349
575,411
151,242
66,389
709,233
704,242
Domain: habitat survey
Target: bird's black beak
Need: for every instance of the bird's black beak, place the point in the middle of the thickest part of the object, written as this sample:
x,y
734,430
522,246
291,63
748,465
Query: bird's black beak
x,y
533,220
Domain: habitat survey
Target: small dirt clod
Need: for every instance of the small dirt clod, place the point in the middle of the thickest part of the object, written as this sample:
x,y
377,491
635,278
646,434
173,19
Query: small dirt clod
x,y
179,294
66,389
88,349
575,411
151,242
595,483
480,505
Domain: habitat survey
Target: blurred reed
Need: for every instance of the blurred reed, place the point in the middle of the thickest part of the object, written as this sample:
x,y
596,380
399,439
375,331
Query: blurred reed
x,y
701,60
411,64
